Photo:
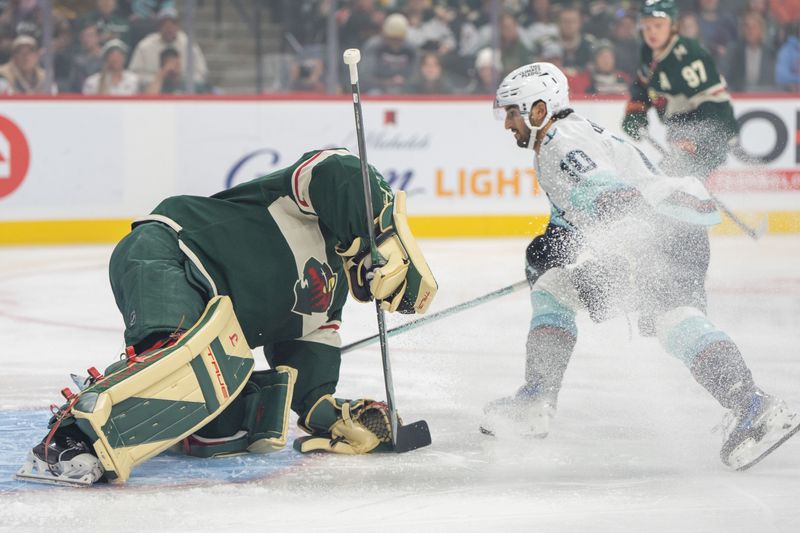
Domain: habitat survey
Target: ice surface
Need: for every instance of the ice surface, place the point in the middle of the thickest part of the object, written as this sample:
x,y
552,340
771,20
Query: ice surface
x,y
629,450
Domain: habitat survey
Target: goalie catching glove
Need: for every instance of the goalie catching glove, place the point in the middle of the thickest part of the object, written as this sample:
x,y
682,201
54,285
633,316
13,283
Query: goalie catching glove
x,y
403,282
350,427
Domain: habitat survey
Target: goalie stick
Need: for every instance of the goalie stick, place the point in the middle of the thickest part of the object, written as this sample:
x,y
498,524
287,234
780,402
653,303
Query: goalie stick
x,y
417,434
750,232
413,324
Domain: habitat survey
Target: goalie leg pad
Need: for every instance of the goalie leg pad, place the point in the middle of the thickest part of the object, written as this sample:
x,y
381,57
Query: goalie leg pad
x,y
161,397
260,418
350,427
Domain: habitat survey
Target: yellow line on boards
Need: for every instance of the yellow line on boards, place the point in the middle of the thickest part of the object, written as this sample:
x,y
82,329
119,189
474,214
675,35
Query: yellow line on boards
x,y
478,226
64,231
112,230
784,222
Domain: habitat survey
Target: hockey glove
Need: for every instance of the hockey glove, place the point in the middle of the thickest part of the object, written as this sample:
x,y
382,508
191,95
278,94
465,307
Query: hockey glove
x,y
403,282
634,123
556,247
350,427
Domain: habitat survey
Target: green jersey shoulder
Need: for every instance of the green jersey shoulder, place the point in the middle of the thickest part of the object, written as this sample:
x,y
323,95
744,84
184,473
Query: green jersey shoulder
x,y
680,79
270,243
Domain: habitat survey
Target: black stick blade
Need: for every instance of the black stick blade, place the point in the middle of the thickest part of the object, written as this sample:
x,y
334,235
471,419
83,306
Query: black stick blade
x,y
412,436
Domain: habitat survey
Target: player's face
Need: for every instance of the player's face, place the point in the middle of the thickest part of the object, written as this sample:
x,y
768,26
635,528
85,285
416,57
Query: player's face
x,y
657,31
515,123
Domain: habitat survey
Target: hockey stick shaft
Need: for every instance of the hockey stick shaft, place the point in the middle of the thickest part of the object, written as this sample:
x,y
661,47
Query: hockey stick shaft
x,y
722,207
351,58
444,313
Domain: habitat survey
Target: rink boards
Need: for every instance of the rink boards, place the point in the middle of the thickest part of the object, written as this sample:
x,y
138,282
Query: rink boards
x,y
78,170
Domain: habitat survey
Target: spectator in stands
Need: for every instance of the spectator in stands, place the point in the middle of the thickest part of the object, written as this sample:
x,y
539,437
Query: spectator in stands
x,y
538,24
688,25
113,79
63,51
306,20
427,28
513,52
23,17
578,79
785,11
605,79
72,10
144,18
761,7
88,60
717,28
600,19
787,66
170,78
306,75
469,40
363,22
7,35
146,60
389,59
626,44
430,78
109,24
22,74
576,45
480,17
751,63
488,68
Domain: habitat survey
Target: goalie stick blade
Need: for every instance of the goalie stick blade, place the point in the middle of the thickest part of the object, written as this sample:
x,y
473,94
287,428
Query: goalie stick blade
x,y
770,450
412,436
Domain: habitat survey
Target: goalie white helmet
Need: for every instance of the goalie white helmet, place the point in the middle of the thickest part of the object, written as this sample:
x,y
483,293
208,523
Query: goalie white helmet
x,y
527,85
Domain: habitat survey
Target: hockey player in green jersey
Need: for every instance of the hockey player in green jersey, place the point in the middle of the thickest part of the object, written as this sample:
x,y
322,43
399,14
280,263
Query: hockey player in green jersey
x,y
678,77
202,280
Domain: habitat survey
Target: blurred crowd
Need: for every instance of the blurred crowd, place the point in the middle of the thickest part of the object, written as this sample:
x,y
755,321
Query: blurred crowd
x,y
126,47
105,47
446,46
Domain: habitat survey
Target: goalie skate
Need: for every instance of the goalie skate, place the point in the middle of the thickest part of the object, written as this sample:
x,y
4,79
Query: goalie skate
x,y
66,463
756,431
527,413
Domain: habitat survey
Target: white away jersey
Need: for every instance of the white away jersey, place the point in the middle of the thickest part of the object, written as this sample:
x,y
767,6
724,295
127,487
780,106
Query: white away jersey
x,y
579,160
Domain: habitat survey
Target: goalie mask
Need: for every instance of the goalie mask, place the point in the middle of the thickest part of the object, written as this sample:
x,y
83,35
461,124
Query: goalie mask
x,y
527,85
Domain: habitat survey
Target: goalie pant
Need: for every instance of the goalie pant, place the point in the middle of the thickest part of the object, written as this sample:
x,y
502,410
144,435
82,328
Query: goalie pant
x,y
623,237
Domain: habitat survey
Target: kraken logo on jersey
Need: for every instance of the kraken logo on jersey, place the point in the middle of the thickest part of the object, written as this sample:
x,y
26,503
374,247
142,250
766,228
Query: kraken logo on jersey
x,y
314,293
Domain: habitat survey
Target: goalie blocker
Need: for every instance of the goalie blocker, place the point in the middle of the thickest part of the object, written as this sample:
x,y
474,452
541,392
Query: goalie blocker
x,y
404,283
147,403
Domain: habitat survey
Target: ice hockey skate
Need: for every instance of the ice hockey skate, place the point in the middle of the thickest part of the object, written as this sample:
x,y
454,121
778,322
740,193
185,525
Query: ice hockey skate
x,y
528,413
755,431
62,461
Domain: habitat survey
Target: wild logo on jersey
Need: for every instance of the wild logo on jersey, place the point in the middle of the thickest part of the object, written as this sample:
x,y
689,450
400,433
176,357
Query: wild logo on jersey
x,y
314,292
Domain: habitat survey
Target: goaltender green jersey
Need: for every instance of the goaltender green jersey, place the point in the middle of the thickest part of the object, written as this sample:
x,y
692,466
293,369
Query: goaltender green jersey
x,y
684,86
270,244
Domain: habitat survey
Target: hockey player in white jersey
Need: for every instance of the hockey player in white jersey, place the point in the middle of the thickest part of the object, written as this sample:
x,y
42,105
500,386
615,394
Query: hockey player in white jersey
x,y
622,237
